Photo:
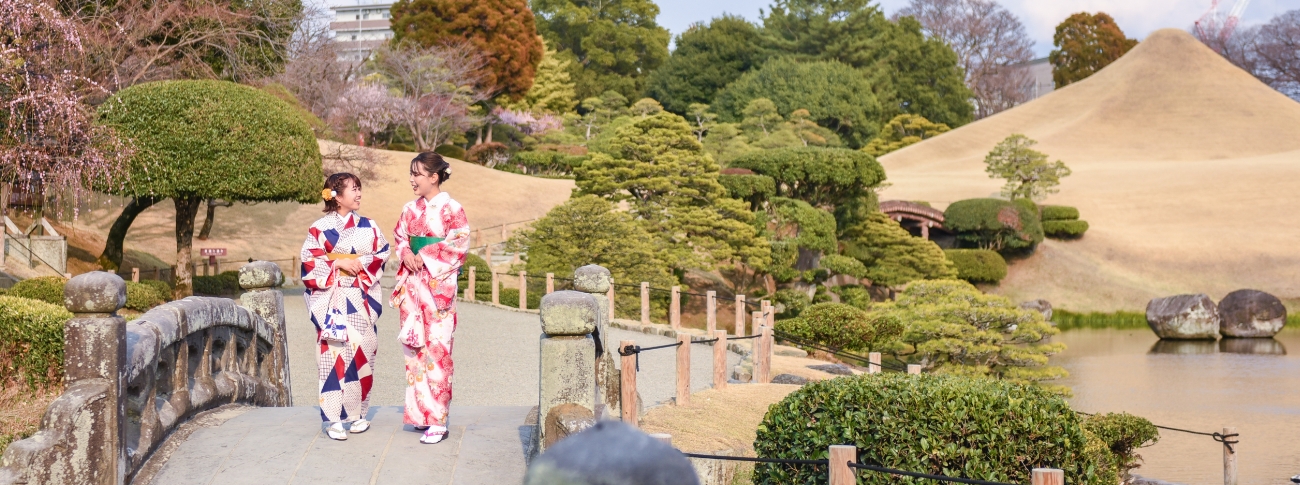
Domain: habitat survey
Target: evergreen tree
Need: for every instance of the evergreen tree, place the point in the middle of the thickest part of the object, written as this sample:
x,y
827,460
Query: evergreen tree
x,y
553,91
908,72
502,30
706,58
1085,43
893,257
835,95
1028,173
657,166
902,131
615,45
701,119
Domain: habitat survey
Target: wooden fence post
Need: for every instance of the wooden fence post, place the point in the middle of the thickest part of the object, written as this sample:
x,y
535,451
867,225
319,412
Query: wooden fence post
x,y
914,369
610,296
135,275
523,290
1046,476
627,387
295,271
1229,456
645,303
550,283
472,290
683,369
675,309
496,289
157,273
711,312
756,323
740,316
720,359
839,457
769,314
873,363
487,254
664,438
763,357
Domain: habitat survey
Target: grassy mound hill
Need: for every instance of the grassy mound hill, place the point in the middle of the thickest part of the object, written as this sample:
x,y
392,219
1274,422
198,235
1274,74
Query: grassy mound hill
x,y
1187,168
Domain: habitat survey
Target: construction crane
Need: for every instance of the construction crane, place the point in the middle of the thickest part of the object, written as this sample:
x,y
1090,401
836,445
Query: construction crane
x,y
1209,22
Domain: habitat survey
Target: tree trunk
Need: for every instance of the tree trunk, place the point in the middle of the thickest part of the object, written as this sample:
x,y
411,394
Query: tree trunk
x,y
187,209
5,190
212,213
111,259
489,134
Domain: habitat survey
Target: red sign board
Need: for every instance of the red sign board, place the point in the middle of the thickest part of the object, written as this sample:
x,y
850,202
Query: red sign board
x,y
213,251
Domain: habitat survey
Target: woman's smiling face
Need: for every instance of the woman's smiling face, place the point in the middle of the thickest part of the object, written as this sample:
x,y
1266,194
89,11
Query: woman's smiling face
x,y
423,183
350,198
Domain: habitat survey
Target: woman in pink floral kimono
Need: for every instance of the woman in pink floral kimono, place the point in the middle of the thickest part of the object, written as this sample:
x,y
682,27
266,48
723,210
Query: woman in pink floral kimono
x,y
432,239
342,262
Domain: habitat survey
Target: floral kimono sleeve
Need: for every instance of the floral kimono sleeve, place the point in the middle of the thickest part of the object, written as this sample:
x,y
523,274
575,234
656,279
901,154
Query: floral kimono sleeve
x,y
444,259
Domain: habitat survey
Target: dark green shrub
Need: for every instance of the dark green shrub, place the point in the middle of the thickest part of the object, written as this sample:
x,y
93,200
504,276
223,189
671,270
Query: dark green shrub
x,y
543,163
510,297
1122,434
978,265
226,283
48,289
452,151
793,302
854,295
819,176
839,326
940,424
141,297
163,289
1065,229
1059,213
994,224
31,351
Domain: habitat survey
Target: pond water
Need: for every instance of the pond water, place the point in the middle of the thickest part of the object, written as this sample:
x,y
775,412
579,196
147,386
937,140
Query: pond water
x,y
1253,384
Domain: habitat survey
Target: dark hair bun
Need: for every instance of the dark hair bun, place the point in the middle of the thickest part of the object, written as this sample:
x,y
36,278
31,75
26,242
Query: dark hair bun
x,y
433,163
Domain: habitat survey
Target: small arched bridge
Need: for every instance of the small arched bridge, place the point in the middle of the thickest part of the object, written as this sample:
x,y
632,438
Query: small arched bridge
x,y
919,219
198,391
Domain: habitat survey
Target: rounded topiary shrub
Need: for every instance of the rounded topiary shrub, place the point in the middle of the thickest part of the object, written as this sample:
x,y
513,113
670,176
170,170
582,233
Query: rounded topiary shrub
x,y
978,265
838,326
48,289
1121,434
994,224
940,424
225,283
452,151
1065,229
141,297
792,302
31,351
1059,213
161,287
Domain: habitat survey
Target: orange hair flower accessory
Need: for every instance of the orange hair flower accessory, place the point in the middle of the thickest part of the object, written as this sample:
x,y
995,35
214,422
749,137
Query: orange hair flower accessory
x,y
328,194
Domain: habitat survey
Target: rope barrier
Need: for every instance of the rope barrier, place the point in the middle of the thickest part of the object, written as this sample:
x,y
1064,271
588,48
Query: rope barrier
x,y
651,288
859,358
942,478
1219,437
636,350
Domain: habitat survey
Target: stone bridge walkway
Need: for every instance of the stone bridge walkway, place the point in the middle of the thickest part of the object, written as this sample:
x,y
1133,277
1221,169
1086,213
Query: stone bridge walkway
x,y
495,386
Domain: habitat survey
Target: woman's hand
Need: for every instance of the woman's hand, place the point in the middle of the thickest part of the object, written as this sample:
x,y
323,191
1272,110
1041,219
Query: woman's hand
x,y
412,262
349,266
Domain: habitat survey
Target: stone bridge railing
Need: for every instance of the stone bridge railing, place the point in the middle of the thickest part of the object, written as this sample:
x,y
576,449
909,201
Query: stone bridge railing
x,y
130,384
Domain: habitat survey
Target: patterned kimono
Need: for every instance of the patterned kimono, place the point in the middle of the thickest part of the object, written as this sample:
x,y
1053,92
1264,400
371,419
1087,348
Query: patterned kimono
x,y
426,301
346,369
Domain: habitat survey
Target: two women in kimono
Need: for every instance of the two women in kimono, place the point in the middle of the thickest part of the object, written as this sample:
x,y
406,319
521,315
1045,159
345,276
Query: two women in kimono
x,y
343,260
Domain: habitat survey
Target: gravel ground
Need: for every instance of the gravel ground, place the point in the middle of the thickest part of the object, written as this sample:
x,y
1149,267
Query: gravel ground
x,y
496,355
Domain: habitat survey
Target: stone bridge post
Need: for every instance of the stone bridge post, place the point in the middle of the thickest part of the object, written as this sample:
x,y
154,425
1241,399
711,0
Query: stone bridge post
x,y
596,281
81,437
262,281
567,381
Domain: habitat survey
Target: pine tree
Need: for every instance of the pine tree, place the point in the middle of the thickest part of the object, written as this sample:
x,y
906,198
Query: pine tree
x,y
614,45
891,255
902,131
553,90
1028,173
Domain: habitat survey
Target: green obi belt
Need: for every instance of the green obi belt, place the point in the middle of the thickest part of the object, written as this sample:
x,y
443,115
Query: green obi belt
x,y
419,242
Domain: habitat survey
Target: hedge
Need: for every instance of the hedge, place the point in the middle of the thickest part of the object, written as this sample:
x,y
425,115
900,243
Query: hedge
x,y
940,424
161,287
854,295
839,326
978,265
543,163
141,297
510,297
1059,213
750,188
48,289
226,283
994,223
1065,229
31,351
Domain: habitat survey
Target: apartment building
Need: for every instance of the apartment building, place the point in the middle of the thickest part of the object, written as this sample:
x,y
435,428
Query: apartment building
x,y
360,27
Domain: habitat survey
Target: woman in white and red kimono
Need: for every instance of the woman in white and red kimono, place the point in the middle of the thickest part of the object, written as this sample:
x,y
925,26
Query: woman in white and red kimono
x,y
432,238
342,263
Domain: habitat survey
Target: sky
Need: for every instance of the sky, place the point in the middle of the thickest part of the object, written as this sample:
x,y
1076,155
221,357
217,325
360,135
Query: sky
x,y
1136,17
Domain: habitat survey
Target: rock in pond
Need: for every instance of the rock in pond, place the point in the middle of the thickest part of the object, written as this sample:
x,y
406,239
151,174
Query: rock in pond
x,y
1255,346
1041,306
1187,317
1185,347
1251,313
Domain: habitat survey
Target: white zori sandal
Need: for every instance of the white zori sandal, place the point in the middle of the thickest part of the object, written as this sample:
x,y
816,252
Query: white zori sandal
x,y
359,426
433,435
336,432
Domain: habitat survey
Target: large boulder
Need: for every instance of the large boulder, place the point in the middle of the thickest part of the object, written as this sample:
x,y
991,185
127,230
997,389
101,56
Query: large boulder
x,y
1251,313
1041,306
1188,317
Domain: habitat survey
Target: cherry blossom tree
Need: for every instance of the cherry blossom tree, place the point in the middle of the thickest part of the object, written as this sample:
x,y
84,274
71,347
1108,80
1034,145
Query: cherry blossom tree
x,y
436,87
